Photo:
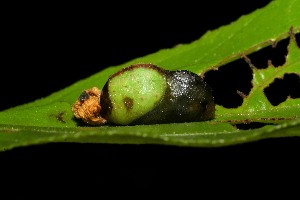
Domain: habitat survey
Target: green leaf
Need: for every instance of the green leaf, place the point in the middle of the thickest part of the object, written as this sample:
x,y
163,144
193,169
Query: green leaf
x,y
256,103
51,120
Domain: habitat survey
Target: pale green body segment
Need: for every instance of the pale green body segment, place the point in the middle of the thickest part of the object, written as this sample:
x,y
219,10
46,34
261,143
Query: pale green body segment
x,y
134,93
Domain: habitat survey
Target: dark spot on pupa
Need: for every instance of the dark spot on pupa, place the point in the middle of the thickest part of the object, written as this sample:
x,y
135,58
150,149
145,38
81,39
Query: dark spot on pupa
x,y
128,102
83,96
60,117
204,104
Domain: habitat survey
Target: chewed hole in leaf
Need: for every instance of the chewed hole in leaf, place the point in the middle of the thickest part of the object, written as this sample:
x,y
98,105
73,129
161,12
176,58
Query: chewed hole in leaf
x,y
227,80
251,125
281,89
297,36
275,53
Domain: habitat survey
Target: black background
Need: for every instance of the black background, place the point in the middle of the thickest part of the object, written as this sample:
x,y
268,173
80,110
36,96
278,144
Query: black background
x,y
49,47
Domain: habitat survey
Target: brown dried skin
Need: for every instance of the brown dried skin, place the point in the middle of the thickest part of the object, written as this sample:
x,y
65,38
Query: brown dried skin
x,y
88,108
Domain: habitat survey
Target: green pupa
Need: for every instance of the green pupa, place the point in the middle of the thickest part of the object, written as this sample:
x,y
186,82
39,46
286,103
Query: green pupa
x,y
147,94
